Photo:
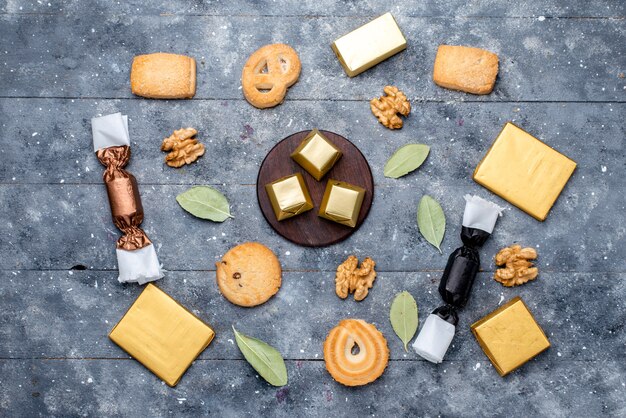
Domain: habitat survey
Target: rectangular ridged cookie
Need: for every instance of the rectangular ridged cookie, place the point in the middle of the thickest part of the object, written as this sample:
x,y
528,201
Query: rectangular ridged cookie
x,y
163,76
472,70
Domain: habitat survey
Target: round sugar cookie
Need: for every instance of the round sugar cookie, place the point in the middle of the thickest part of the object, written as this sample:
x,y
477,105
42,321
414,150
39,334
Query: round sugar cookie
x,y
355,352
249,274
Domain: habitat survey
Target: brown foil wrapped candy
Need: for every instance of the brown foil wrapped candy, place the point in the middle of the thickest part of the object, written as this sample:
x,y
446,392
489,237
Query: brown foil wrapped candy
x,y
136,258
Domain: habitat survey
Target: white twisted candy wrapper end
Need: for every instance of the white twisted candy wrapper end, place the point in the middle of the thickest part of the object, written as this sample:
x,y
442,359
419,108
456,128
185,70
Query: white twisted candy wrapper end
x,y
480,213
434,339
140,266
110,131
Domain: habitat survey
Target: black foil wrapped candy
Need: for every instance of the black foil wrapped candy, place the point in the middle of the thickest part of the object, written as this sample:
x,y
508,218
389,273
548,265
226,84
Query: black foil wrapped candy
x,y
479,219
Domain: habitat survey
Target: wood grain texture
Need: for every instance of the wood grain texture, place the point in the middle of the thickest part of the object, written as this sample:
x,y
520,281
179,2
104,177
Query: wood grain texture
x,y
63,62
551,59
50,313
308,228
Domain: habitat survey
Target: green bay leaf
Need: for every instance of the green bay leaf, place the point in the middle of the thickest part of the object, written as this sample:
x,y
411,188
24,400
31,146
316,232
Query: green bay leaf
x,y
205,202
406,159
264,358
403,317
431,221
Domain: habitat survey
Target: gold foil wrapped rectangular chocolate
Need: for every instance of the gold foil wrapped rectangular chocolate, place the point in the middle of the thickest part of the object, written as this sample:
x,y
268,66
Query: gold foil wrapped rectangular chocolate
x,y
510,336
342,202
316,154
161,334
370,44
524,171
289,196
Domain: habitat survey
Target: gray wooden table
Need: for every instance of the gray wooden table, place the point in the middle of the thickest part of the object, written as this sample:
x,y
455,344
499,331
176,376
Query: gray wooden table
x,y
64,62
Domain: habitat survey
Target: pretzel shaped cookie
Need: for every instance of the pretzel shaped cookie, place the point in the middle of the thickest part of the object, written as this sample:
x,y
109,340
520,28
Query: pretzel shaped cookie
x,y
268,73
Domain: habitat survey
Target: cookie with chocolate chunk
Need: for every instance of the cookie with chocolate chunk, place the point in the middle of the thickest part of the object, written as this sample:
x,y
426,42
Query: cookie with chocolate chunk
x,y
249,274
472,70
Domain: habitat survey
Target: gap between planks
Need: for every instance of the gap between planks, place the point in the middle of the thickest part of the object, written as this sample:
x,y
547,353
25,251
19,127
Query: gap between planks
x,y
310,360
320,16
239,99
53,270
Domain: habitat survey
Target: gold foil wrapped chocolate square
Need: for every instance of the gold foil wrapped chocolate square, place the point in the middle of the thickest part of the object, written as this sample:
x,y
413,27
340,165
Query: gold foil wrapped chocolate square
x,y
510,336
369,45
342,202
524,171
161,334
289,196
316,154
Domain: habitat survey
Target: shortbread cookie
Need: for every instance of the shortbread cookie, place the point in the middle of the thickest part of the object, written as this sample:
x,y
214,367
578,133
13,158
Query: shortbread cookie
x,y
163,76
472,70
355,352
268,73
249,274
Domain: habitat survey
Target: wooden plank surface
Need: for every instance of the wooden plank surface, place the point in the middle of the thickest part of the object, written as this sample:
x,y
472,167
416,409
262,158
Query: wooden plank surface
x,y
64,62
555,59
39,324
263,8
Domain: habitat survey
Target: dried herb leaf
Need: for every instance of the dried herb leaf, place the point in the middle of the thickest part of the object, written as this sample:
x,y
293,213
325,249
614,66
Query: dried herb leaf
x,y
406,159
265,359
431,221
403,317
205,202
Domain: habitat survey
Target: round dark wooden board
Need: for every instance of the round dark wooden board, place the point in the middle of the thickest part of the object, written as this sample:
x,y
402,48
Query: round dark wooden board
x,y
308,229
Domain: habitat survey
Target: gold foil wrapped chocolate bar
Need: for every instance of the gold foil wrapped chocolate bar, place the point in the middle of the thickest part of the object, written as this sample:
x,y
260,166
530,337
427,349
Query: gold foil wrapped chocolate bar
x,y
369,45
161,334
510,336
136,258
523,170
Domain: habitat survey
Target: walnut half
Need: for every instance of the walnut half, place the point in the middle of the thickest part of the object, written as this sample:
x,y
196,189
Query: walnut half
x,y
386,108
517,268
183,148
353,279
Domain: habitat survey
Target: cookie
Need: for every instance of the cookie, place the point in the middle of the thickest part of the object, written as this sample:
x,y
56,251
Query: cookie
x,y
355,352
249,274
472,70
163,76
268,73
